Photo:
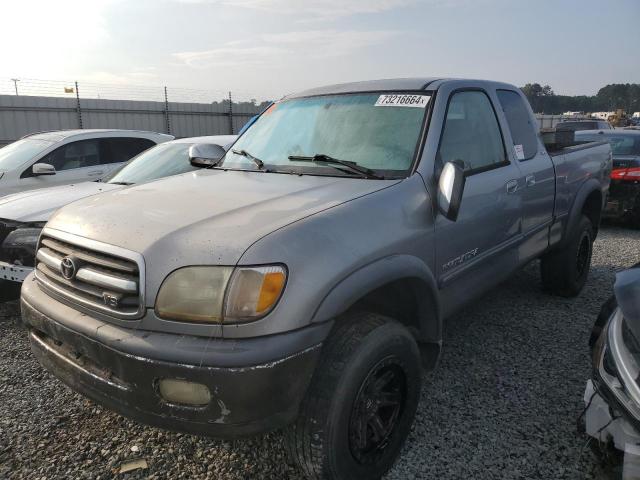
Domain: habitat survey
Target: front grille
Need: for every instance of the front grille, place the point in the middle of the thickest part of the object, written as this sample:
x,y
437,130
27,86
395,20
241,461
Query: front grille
x,y
89,276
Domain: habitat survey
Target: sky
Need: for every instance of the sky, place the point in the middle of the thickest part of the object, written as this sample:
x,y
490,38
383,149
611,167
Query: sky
x,y
268,48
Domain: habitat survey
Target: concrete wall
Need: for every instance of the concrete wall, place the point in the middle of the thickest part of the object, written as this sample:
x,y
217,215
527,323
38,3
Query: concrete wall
x,y
21,115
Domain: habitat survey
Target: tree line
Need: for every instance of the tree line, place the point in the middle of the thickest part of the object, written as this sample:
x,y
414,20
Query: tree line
x,y
609,98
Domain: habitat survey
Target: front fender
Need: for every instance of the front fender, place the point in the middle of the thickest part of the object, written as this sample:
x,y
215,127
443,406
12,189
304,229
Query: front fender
x,y
382,272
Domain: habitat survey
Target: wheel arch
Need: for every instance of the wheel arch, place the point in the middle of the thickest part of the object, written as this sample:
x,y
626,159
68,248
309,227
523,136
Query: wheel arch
x,y
398,286
589,201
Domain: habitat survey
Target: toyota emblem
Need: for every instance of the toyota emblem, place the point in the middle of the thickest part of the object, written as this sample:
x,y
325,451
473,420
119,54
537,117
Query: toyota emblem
x,y
69,268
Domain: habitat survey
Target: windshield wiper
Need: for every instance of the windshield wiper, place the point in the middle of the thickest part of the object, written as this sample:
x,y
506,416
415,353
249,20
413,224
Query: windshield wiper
x,y
121,183
259,163
352,166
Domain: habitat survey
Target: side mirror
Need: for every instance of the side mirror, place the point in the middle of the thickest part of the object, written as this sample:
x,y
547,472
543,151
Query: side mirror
x,y
205,154
43,169
450,189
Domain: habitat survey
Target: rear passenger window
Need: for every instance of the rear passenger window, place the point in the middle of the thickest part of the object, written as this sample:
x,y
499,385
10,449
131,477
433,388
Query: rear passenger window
x,y
471,134
123,149
525,139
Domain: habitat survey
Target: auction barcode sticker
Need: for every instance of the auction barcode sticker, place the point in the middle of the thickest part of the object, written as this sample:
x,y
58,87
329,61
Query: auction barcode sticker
x,y
400,100
519,152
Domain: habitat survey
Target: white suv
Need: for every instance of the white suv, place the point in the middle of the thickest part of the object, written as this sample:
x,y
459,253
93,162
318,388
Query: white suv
x,y
69,156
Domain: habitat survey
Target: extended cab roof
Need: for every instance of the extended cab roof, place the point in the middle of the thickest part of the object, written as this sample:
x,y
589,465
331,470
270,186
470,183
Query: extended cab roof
x,y
392,84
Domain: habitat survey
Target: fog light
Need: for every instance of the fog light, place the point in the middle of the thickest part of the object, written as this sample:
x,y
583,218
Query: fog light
x,y
183,392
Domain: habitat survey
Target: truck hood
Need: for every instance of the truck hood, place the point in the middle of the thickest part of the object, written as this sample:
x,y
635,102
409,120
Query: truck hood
x,y
206,216
38,205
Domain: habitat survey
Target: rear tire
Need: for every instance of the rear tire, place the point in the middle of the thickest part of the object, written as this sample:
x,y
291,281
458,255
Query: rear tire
x,y
565,271
361,402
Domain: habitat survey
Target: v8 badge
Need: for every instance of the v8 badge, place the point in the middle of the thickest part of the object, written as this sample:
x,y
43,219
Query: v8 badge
x,y
110,300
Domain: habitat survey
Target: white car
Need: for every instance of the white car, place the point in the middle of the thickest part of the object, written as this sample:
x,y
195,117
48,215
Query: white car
x,y
67,156
22,215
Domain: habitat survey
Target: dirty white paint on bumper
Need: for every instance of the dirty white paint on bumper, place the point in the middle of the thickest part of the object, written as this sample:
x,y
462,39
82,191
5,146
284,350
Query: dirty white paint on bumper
x,y
603,427
600,424
14,273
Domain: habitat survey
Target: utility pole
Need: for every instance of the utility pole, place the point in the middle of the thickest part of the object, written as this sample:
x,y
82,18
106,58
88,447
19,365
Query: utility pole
x,y
78,107
230,113
166,111
15,84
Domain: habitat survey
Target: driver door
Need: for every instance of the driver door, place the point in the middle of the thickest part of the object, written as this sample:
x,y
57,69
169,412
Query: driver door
x,y
478,249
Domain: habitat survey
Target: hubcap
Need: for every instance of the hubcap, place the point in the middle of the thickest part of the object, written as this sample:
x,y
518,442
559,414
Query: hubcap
x,y
377,410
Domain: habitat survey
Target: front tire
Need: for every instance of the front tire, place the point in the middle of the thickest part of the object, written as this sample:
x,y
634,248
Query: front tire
x,y
564,272
361,402
9,291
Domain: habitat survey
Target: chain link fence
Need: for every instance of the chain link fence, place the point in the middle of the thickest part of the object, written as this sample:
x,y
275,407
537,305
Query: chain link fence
x,y
30,105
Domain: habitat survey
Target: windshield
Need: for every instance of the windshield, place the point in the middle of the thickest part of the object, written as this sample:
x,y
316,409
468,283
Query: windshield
x,y
620,144
378,132
160,161
17,153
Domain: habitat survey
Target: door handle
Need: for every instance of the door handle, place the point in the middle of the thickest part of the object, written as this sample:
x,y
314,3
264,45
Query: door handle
x,y
531,180
512,186
95,173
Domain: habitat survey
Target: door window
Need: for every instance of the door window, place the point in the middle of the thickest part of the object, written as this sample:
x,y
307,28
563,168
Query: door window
x,y
525,139
471,134
81,154
123,149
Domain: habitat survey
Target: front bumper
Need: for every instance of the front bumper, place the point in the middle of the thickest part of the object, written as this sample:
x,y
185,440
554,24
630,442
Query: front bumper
x,y
11,278
120,369
14,273
603,424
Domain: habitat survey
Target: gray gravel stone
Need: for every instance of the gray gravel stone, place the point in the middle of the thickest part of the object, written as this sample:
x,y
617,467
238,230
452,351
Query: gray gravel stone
x,y
502,404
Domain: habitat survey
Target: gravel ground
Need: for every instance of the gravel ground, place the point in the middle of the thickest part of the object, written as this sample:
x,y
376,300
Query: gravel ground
x,y
502,404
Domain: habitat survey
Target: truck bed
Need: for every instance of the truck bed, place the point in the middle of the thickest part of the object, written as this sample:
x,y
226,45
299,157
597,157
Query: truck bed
x,y
576,165
555,150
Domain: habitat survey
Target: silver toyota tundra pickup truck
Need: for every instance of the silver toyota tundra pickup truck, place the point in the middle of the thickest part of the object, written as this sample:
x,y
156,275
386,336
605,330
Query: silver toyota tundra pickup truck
x,y
302,281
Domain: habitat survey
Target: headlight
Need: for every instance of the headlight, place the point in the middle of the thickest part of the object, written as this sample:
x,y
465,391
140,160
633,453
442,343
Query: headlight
x,y
26,238
194,294
220,294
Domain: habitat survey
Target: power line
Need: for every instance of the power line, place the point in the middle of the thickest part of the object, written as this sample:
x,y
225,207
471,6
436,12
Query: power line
x,y
135,92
